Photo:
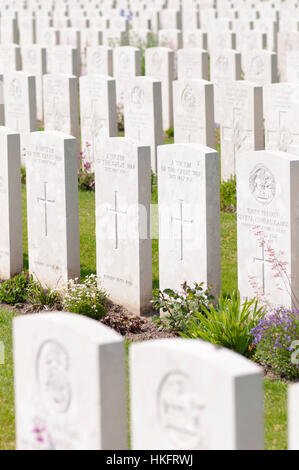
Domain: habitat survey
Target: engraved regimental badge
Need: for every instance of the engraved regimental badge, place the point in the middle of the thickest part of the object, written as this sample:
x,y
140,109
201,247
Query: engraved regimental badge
x,y
262,184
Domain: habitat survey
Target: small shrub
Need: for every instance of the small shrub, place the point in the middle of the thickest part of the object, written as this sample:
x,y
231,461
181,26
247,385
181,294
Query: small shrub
x,y
154,187
228,195
42,298
230,324
276,338
86,298
180,307
170,132
14,291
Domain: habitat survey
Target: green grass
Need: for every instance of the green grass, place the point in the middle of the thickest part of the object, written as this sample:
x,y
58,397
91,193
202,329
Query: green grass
x,y
229,252
275,415
7,418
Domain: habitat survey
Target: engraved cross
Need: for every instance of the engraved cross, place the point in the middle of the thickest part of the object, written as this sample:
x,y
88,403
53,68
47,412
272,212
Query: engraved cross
x,y
182,221
116,213
262,261
235,134
45,201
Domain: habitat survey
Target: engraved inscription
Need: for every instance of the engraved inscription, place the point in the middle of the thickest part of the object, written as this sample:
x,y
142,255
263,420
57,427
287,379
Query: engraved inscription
x,y
181,412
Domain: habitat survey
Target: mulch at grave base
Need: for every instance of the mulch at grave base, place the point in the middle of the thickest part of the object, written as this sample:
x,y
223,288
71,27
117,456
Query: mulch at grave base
x,y
131,327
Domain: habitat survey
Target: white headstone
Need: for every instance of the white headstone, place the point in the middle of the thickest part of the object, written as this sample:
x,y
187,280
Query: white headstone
x,y
281,107
49,37
270,27
61,104
189,216
72,37
159,64
287,42
143,113
268,222
99,60
63,59
241,122
52,207
195,38
27,30
193,110
71,377
225,67
11,238
34,61
10,58
115,38
192,63
292,66
260,67
126,66
197,395
98,115
9,30
221,40
171,38
20,102
123,196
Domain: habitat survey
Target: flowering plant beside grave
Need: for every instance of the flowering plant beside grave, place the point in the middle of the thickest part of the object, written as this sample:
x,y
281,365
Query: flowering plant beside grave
x,y
42,298
180,307
276,343
86,179
85,298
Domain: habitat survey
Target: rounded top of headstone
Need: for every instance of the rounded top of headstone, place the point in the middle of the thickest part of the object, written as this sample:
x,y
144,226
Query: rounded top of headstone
x,y
79,324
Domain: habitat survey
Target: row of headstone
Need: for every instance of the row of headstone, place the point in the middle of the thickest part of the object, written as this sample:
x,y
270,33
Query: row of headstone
x,y
240,107
125,62
188,206
70,375
189,232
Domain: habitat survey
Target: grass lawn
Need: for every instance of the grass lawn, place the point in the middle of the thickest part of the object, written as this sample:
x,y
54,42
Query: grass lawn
x,y
275,392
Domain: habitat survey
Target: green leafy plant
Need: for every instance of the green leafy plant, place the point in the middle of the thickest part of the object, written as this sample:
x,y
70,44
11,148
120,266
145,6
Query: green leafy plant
x,y
14,291
228,195
85,298
42,298
170,132
179,308
229,324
